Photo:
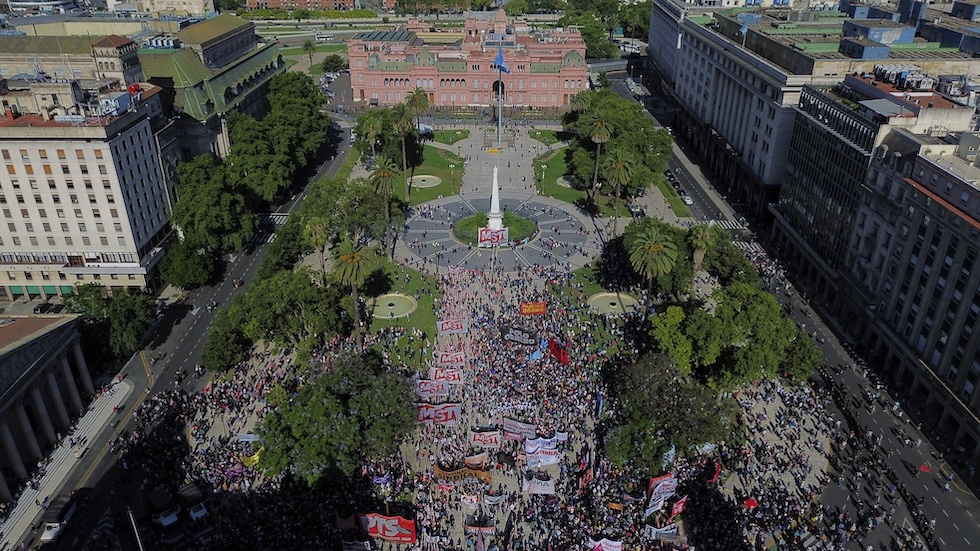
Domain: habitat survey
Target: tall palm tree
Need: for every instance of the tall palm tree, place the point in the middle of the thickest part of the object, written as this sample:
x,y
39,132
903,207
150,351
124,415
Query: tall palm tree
x,y
418,102
402,124
372,126
653,254
620,166
701,239
309,48
317,233
599,131
351,266
384,177
580,102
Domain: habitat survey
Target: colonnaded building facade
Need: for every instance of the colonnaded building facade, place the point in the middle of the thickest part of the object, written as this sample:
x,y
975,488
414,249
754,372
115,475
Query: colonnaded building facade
x,y
456,67
44,384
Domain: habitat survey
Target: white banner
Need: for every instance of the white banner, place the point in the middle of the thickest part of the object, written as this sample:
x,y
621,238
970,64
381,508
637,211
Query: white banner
x,y
492,238
452,327
562,436
450,358
451,376
442,414
516,428
535,486
663,489
533,444
543,457
432,389
488,440
655,533
605,545
494,500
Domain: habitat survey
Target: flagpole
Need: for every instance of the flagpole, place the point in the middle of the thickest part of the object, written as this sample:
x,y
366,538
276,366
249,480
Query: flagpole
x,y
500,104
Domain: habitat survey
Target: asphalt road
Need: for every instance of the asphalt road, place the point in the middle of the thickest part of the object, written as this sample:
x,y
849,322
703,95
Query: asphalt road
x,y
179,341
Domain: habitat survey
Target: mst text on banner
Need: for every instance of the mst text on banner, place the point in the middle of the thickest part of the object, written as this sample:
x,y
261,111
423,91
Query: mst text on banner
x,y
394,529
450,358
453,327
441,414
488,440
431,389
451,376
492,238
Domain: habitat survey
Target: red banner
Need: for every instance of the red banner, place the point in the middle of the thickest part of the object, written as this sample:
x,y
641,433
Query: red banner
x,y
678,507
452,327
396,529
534,308
558,351
447,375
451,358
492,238
442,414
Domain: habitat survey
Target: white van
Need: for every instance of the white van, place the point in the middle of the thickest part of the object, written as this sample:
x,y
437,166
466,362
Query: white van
x,y
322,37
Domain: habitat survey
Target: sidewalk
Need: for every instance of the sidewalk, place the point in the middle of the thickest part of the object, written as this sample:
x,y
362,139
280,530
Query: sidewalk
x,y
62,462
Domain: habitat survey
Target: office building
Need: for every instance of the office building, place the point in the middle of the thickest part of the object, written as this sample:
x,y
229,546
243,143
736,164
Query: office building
x,y
300,4
456,67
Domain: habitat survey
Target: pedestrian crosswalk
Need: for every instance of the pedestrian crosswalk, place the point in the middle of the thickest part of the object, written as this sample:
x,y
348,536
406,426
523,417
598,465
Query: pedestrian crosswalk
x,y
727,224
263,238
749,246
273,218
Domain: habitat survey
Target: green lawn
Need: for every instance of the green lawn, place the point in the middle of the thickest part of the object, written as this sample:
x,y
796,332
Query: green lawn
x,y
320,48
555,161
674,200
467,230
450,137
392,280
436,163
547,137
586,276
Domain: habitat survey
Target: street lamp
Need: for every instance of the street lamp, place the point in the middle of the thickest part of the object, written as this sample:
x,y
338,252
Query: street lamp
x,y
452,179
544,167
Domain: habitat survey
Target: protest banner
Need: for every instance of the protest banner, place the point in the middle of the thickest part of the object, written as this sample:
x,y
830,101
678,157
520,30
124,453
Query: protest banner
x,y
562,436
678,507
661,488
516,430
494,500
533,444
492,238
393,529
432,389
488,440
605,545
470,502
534,308
518,335
535,486
476,462
452,327
470,530
442,414
669,531
451,376
543,456
449,358
558,351
460,474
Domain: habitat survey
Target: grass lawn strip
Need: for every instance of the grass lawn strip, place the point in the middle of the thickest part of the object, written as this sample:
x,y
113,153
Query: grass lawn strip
x,y
467,229
435,162
547,137
451,136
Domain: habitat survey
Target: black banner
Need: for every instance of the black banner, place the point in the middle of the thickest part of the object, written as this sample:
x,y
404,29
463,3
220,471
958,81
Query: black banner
x,y
518,335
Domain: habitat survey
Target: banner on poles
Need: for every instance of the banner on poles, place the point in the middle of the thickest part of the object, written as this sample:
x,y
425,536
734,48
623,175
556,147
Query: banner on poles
x,y
450,358
667,532
470,530
453,327
432,389
394,529
494,500
477,462
488,440
661,488
561,436
605,545
535,486
461,474
543,456
531,445
451,376
492,238
678,507
442,414
534,308
470,502
516,430
518,335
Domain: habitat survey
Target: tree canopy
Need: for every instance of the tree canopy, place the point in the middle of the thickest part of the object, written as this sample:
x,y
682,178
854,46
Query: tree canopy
x,y
355,410
186,267
212,211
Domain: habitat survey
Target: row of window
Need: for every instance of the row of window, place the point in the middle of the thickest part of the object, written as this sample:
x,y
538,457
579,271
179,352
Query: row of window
x,y
45,276
430,84
68,241
48,170
24,154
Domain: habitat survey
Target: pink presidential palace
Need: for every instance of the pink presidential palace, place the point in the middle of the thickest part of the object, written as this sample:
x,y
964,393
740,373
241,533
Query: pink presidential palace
x,y
455,67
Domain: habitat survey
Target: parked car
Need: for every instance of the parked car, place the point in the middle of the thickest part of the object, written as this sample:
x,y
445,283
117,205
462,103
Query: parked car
x,y
687,200
42,308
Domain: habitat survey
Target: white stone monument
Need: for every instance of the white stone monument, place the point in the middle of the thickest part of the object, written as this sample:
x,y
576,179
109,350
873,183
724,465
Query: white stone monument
x,y
495,219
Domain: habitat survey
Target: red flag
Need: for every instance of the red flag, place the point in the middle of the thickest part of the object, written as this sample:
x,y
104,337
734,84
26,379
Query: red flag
x,y
678,507
925,468
558,351
751,503
717,473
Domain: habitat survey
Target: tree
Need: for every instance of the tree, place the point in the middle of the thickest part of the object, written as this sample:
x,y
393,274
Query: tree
x,y
417,102
130,314
668,333
309,48
516,7
594,33
226,346
301,14
351,266
700,238
384,177
317,234
652,254
186,267
802,358
286,249
371,125
402,124
88,299
581,101
354,412
619,172
598,131
333,63
211,212
351,208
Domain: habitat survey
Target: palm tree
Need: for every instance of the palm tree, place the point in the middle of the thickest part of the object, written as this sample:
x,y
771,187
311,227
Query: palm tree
x,y
580,102
620,165
653,254
418,102
598,130
701,238
309,48
372,126
317,233
384,177
402,123
351,266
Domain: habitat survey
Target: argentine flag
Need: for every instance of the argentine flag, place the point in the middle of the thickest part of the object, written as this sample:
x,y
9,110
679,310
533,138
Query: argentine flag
x,y
499,60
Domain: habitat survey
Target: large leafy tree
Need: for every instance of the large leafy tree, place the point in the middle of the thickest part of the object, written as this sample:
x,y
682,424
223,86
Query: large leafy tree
x,y
353,412
186,267
594,33
620,166
211,210
254,160
351,208
660,407
286,250
226,346
130,314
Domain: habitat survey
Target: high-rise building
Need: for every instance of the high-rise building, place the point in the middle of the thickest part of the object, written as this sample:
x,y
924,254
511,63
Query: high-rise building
x,y
84,189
